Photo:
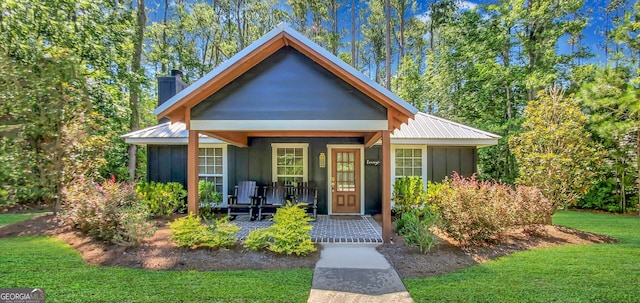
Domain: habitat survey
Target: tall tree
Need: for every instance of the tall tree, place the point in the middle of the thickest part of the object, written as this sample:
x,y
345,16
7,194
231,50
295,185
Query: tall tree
x,y
612,102
387,43
137,76
554,152
354,8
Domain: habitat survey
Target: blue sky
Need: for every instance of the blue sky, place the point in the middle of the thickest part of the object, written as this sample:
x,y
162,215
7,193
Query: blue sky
x,y
592,38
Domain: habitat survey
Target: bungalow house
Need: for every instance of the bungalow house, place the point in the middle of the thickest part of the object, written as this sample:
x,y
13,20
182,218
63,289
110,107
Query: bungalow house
x,y
284,96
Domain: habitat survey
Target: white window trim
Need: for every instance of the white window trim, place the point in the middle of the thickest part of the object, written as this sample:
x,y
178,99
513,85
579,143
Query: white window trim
x,y
330,147
225,182
395,147
305,159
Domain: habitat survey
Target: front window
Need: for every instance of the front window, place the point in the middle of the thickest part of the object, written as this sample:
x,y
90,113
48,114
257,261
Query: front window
x,y
408,162
210,167
289,163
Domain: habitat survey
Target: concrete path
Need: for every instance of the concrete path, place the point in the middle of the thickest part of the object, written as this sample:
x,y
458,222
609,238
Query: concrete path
x,y
355,273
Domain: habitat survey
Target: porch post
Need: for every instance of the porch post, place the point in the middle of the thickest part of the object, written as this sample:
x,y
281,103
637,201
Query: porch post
x,y
192,172
386,186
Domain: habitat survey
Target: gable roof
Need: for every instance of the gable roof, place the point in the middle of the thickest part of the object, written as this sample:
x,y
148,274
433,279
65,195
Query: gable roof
x,y
283,35
423,129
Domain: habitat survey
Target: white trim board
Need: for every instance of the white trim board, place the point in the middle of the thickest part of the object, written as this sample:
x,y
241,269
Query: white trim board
x,y
289,125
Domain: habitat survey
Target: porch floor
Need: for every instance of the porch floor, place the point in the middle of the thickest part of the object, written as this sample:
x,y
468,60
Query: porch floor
x,y
326,229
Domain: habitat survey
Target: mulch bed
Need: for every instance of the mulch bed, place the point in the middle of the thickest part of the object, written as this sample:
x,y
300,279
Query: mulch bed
x,y
448,256
159,253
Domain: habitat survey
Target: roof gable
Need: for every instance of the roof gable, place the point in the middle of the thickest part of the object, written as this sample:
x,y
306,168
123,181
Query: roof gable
x,y
176,107
288,84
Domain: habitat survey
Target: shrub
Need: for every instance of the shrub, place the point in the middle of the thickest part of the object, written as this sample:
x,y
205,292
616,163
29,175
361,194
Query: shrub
x,y
134,226
290,233
601,195
414,225
207,193
408,192
532,209
189,231
474,212
163,199
109,211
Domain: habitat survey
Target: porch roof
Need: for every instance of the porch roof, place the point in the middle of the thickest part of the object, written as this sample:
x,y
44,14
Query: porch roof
x,y
432,130
423,129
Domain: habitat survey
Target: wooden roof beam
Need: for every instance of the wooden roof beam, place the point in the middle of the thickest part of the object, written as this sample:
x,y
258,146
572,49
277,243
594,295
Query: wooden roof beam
x,y
239,139
371,139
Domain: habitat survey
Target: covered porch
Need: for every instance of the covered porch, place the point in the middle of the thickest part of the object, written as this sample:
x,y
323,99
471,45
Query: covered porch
x,y
326,229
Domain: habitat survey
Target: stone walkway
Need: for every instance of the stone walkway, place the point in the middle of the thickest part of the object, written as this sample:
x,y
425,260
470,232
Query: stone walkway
x,y
355,273
326,229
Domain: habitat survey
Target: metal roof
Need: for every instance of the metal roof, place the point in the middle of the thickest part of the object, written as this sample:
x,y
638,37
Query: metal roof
x,y
432,130
165,133
283,28
423,129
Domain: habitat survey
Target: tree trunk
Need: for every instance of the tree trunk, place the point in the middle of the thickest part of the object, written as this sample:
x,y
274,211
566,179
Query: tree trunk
x,y
134,94
387,38
353,33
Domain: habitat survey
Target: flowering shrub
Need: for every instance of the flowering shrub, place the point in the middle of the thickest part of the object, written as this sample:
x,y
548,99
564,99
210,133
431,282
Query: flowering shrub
x,y
476,212
109,211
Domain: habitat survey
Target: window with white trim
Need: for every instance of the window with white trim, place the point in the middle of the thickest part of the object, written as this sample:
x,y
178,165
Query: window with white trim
x,y
408,162
210,166
289,162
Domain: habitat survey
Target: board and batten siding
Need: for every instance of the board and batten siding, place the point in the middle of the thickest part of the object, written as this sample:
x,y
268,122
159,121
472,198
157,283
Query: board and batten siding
x,y
443,161
288,86
167,163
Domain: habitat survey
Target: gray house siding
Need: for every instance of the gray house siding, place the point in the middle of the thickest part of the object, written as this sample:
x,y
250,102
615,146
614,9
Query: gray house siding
x,y
288,86
443,161
254,163
373,179
167,163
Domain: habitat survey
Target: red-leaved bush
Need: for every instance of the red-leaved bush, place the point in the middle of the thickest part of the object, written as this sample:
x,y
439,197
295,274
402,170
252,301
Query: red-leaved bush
x,y
109,211
477,212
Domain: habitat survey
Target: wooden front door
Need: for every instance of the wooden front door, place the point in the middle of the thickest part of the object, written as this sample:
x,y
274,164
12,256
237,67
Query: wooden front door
x,y
345,180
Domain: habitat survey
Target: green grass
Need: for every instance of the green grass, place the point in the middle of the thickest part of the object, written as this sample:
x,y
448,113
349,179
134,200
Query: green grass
x,y
570,273
6,219
51,264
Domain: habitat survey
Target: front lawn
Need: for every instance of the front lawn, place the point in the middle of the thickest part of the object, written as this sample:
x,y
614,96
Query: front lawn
x,y
572,273
51,264
6,219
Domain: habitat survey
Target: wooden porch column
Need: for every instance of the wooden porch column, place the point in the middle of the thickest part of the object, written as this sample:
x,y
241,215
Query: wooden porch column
x,y
192,172
386,186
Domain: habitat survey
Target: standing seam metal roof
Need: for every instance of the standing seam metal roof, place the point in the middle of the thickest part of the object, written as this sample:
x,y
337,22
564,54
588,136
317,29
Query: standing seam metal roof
x,y
423,126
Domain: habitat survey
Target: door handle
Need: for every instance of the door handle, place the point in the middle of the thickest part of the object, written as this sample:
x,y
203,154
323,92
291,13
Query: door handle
x,y
333,184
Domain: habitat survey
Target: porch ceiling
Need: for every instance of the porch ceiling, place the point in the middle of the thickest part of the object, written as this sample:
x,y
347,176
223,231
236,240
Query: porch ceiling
x,y
241,138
